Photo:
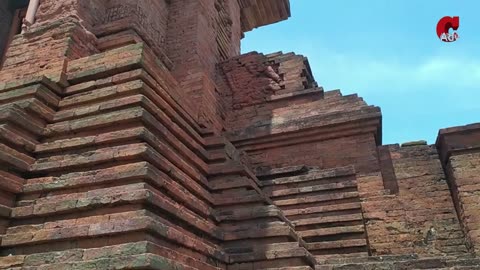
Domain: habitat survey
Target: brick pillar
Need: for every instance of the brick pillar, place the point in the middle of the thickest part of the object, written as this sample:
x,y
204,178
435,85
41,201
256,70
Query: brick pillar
x,y
59,34
459,149
210,33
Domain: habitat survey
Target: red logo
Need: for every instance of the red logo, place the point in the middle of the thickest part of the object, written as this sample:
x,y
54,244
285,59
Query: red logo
x,y
443,27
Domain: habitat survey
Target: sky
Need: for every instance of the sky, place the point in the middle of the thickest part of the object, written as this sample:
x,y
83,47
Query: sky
x,y
388,52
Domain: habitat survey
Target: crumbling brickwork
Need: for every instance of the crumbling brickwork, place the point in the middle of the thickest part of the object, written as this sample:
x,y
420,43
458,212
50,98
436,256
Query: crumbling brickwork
x,y
134,136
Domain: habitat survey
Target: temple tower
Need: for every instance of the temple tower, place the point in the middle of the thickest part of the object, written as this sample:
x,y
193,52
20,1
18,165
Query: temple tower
x,y
133,135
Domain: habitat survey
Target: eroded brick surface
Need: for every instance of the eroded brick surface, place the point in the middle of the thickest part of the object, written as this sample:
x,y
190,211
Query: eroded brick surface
x,y
134,136
459,149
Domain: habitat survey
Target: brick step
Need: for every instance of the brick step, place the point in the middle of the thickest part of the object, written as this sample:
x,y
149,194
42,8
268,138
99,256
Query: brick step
x,y
213,143
37,92
98,83
335,99
142,261
87,159
272,254
232,190
238,198
333,187
17,138
136,152
268,255
237,228
315,91
274,231
11,183
323,132
250,213
87,68
240,248
14,114
317,198
235,182
220,149
217,156
228,182
311,176
331,231
278,57
117,79
144,85
106,176
169,147
39,112
129,173
68,106
366,259
182,257
15,159
122,84
135,114
265,173
300,213
229,168
131,194
328,219
141,111
323,122
107,225
336,244
400,264
289,268
118,256
321,259
467,259
139,95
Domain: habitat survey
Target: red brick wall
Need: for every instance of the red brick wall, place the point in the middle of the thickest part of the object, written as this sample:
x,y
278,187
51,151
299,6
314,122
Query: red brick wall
x,y
136,105
248,80
419,219
90,12
197,50
190,37
37,53
148,18
464,174
255,78
459,149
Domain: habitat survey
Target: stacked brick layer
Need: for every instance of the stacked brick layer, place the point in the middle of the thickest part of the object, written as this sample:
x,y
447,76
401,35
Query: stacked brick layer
x,y
119,175
108,178
324,206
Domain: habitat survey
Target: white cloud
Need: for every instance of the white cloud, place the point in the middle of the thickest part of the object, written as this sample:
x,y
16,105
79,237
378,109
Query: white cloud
x,y
450,72
354,73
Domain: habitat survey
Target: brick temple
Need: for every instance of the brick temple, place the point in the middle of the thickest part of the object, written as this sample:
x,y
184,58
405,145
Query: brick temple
x,y
134,135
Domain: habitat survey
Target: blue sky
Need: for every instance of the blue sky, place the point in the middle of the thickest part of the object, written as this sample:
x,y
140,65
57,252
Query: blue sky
x,y
388,53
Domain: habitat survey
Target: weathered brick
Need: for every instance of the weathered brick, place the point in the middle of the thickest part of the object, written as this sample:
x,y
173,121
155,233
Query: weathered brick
x,y
133,135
